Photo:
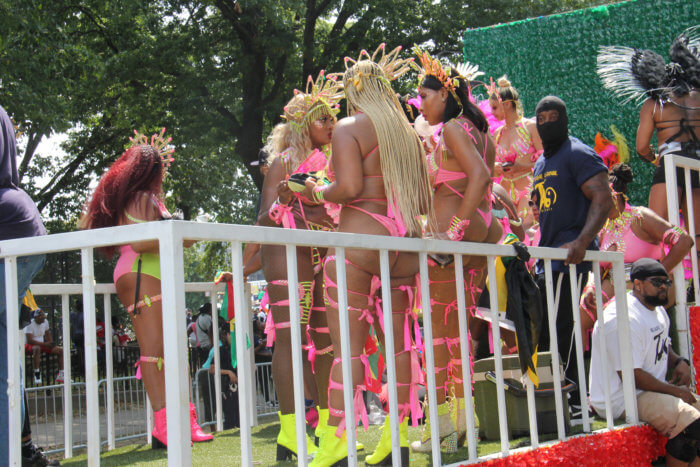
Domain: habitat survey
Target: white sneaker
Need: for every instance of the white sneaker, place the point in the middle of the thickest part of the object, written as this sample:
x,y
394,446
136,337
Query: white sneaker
x,y
59,377
37,377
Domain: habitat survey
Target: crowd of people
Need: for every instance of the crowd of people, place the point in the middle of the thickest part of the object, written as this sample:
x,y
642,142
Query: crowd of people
x,y
434,165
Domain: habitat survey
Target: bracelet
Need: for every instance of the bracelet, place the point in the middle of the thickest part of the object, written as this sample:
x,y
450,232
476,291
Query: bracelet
x,y
517,223
457,227
681,359
319,193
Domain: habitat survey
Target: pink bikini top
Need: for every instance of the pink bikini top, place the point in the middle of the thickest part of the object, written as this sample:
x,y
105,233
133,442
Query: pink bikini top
x,y
436,158
619,232
522,147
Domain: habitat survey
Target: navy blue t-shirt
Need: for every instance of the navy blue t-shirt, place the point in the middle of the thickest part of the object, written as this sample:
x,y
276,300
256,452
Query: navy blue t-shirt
x,y
563,206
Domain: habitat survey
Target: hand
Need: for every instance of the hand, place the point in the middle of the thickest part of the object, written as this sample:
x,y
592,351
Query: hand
x,y
308,192
683,393
577,250
437,235
497,169
284,194
681,374
589,299
226,276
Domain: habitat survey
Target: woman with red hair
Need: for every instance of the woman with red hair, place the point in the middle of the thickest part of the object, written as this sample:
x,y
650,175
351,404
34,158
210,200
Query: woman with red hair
x,y
131,192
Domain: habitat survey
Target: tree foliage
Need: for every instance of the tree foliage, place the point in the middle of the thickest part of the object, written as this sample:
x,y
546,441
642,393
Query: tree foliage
x,y
215,73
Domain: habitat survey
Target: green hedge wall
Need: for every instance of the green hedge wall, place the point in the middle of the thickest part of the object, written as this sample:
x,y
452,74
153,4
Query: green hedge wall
x,y
557,55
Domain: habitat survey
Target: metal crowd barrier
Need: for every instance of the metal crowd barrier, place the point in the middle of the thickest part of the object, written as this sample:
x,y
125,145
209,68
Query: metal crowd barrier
x,y
171,234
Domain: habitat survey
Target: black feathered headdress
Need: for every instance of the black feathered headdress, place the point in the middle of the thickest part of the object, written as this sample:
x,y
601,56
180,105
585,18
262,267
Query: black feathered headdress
x,y
634,74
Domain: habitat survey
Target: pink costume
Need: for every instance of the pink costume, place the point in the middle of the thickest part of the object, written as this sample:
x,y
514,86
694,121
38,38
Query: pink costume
x,y
442,176
287,216
522,148
395,227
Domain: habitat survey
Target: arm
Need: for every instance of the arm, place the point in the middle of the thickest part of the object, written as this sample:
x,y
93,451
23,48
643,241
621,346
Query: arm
x,y
274,177
32,341
656,227
645,131
347,164
647,382
48,340
534,135
470,162
516,226
680,369
597,190
254,264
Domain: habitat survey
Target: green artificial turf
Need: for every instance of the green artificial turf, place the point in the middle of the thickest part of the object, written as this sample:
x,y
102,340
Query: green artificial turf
x,y
225,449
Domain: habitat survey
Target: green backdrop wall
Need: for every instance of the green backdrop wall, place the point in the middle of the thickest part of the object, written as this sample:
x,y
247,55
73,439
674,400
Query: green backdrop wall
x,y
557,55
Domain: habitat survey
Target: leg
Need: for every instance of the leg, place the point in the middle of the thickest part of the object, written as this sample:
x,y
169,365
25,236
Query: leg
x,y
275,269
148,326
359,287
442,292
323,349
36,357
58,350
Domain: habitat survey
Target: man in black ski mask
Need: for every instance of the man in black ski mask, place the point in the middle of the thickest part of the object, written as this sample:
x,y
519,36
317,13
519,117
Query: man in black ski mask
x,y
574,200
552,124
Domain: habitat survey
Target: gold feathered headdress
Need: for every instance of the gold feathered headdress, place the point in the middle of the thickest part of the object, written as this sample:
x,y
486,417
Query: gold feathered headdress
x,y
321,97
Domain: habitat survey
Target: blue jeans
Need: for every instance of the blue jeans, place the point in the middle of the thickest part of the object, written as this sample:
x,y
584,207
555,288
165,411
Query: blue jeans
x,y
27,268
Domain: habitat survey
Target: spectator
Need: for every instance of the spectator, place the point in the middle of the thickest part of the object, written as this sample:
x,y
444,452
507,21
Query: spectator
x,y
77,333
19,218
229,380
203,330
39,341
574,201
669,407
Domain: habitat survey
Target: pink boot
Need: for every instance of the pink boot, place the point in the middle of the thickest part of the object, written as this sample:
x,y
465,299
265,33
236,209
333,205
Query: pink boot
x,y
160,429
198,436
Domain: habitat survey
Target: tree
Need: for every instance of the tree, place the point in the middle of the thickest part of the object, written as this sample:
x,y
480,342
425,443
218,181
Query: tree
x,y
216,73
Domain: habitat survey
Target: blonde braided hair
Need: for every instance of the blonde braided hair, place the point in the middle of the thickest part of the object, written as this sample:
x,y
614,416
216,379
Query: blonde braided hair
x,y
402,158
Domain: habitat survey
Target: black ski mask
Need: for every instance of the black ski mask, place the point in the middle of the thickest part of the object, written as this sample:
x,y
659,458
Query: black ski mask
x,y
553,134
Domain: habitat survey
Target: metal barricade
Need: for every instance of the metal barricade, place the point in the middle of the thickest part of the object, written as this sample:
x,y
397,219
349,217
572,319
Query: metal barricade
x,y
171,234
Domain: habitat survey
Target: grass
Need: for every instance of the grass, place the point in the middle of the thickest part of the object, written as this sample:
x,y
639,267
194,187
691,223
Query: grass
x,y
225,449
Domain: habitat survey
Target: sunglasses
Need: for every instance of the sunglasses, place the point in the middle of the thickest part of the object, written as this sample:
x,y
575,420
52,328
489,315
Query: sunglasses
x,y
659,281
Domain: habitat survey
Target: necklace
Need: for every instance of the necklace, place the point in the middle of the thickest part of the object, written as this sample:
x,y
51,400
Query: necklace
x,y
615,229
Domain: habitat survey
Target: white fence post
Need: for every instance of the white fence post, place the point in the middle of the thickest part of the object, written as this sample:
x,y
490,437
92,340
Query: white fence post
x,y
244,378
67,376
92,402
174,338
109,353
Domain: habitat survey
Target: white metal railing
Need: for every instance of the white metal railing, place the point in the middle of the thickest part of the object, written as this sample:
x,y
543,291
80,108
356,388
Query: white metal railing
x,y
171,235
672,162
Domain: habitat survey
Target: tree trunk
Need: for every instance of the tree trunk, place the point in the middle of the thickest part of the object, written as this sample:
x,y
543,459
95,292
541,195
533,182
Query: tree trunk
x,y
249,139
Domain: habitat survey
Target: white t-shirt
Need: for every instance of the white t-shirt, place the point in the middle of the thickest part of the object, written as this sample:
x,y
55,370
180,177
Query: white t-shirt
x,y
36,330
202,327
649,345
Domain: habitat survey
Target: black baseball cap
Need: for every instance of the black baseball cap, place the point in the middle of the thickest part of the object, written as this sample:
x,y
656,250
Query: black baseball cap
x,y
647,267
262,158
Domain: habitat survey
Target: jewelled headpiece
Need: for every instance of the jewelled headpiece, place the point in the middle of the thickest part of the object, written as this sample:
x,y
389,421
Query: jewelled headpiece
x,y
157,141
390,63
430,66
321,97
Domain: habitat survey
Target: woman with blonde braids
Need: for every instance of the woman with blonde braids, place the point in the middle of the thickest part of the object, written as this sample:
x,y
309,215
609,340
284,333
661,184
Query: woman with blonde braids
x,y
383,186
518,145
298,148
460,168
